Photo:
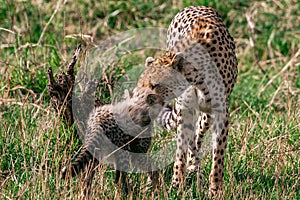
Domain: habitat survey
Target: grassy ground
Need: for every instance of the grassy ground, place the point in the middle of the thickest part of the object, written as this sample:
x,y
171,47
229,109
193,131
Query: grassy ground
x,y
263,155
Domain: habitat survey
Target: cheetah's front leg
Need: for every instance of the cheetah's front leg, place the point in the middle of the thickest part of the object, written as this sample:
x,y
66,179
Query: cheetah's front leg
x,y
193,164
219,139
185,132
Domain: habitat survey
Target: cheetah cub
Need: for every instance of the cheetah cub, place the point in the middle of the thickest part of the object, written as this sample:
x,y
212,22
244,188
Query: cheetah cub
x,y
118,134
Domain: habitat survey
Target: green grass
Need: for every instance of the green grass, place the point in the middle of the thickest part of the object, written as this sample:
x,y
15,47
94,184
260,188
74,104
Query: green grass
x,y
263,155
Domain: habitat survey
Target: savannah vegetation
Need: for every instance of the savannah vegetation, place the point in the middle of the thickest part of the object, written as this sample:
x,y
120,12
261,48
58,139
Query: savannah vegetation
x,y
263,153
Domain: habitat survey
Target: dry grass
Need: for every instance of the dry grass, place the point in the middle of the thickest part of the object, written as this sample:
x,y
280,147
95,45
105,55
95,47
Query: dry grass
x,y
263,149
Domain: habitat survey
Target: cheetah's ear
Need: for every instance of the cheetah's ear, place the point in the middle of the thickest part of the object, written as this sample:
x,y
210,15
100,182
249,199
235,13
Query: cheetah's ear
x,y
149,61
152,99
178,61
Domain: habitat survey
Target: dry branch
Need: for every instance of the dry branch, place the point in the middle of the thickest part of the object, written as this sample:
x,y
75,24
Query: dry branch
x,y
61,90
63,100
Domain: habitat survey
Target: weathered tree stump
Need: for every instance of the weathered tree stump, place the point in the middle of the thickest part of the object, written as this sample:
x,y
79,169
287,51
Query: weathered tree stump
x,y
61,90
73,108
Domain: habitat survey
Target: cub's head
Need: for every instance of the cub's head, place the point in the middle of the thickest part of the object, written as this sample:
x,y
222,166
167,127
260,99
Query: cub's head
x,y
144,106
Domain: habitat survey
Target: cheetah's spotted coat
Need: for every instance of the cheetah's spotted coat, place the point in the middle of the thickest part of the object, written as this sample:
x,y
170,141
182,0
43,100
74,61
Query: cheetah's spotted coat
x,y
113,132
199,70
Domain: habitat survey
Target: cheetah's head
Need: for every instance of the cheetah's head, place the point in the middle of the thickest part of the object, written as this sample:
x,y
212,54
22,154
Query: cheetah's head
x,y
163,75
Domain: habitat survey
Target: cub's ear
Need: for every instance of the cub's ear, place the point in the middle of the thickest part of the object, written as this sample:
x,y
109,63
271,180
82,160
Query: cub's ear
x,y
152,99
127,94
149,61
178,60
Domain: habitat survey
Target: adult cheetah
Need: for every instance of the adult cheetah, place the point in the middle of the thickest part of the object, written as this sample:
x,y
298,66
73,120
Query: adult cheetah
x,y
199,69
117,133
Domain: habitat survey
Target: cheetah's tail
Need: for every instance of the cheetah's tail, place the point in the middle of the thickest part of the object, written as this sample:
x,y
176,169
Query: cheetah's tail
x,y
167,118
83,160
